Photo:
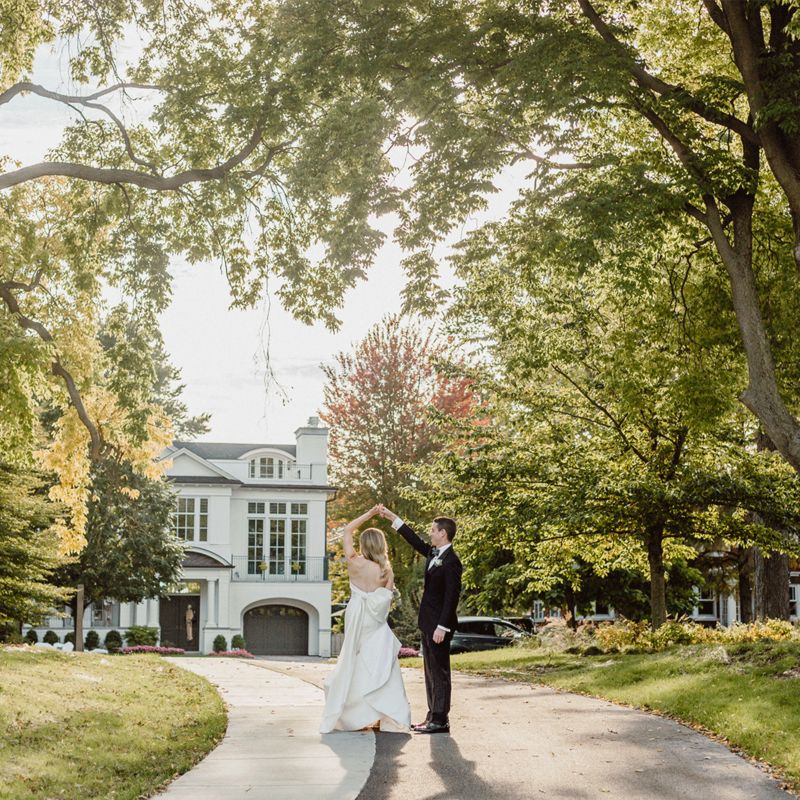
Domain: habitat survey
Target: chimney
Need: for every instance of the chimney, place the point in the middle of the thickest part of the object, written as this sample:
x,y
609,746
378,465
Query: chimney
x,y
312,451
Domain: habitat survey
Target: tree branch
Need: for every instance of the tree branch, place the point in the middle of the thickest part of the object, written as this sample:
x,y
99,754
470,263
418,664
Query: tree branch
x,y
603,410
143,179
56,367
25,86
717,15
660,87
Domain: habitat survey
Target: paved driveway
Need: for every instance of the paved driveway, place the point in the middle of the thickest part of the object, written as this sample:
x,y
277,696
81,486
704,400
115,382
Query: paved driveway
x,y
509,741
513,741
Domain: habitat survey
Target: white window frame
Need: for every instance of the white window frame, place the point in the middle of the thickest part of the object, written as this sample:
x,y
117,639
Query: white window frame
x,y
198,515
269,467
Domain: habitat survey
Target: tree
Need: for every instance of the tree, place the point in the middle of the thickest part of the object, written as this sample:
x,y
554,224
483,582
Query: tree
x,y
130,552
381,404
612,437
29,550
681,111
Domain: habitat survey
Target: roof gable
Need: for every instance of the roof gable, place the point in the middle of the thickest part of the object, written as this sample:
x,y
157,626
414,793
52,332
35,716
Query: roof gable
x,y
187,463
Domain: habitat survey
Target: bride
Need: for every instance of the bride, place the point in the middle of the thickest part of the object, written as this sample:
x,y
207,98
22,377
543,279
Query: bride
x,y
365,687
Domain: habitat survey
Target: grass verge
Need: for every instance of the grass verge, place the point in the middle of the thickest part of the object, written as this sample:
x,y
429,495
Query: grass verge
x,y
92,726
746,694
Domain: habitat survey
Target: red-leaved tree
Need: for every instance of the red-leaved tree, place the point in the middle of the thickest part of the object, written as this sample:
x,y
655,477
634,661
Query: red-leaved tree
x,y
383,401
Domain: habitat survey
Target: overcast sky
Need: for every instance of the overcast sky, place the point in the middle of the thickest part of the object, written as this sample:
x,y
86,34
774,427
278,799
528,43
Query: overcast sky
x,y
222,353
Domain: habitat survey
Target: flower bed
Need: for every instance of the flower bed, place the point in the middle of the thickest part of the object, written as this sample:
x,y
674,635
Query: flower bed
x,y
234,653
147,648
407,652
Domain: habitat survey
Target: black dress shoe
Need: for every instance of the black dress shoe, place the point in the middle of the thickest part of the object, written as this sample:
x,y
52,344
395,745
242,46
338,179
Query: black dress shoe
x,y
433,727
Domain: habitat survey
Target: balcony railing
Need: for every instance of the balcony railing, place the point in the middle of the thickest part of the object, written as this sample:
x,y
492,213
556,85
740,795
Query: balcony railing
x,y
292,472
308,570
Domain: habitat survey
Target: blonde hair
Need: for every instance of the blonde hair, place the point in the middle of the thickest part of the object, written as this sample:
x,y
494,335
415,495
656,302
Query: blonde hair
x,y
372,543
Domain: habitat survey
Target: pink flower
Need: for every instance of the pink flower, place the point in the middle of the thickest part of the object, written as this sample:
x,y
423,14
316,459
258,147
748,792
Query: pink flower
x,y
235,653
407,652
146,648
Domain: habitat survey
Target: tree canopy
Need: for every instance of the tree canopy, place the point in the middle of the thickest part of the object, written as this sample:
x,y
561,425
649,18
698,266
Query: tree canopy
x,y
608,435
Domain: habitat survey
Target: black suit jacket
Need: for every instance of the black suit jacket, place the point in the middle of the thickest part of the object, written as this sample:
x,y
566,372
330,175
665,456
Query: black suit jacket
x,y
442,585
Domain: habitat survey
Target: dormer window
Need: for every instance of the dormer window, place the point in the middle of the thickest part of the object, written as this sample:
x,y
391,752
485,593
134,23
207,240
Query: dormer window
x,y
268,467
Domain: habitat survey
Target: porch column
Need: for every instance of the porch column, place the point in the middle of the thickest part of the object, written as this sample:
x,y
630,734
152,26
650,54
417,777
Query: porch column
x,y
150,610
211,616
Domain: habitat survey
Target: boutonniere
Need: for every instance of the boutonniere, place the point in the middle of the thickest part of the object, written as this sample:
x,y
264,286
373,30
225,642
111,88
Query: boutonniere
x,y
436,561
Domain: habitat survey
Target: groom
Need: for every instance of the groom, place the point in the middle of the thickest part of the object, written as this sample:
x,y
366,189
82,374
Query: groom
x,y
437,613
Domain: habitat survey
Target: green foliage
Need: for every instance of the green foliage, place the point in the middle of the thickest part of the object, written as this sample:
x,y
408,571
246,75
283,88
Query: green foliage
x,y
608,436
113,641
51,637
130,551
238,642
31,636
69,637
220,643
92,640
139,635
29,551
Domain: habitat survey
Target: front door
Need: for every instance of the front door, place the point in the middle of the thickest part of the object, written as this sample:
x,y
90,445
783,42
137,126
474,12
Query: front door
x,y
179,617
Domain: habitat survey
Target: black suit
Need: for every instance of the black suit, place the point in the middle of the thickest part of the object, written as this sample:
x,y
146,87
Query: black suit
x,y
437,607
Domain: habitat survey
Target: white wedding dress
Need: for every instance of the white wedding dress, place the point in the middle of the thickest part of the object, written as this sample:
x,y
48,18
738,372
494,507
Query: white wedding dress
x,y
365,686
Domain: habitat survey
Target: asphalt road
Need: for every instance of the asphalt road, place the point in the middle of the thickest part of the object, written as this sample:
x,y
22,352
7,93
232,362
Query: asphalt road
x,y
513,741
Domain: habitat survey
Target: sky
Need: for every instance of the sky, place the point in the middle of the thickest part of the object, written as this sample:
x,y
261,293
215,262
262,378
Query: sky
x,y
224,353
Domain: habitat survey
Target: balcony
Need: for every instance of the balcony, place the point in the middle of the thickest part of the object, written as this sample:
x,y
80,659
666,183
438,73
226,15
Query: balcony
x,y
288,472
309,570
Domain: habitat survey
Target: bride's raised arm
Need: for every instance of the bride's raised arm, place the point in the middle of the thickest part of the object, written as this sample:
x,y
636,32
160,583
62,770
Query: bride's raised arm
x,y
350,528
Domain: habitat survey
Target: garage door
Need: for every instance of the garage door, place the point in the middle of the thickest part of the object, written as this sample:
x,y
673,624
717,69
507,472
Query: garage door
x,y
276,631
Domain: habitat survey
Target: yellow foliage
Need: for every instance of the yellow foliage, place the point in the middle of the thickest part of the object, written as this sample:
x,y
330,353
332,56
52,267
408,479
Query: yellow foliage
x,y
69,458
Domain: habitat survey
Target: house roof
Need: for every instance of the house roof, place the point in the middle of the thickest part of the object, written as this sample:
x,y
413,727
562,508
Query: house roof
x,y
203,560
230,450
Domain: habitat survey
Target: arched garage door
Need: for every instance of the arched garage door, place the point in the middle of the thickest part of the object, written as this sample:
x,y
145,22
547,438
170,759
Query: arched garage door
x,y
276,631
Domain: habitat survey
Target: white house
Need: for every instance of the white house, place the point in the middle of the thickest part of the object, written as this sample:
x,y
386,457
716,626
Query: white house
x,y
253,517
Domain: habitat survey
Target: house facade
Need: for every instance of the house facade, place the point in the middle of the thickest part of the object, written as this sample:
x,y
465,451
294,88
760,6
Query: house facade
x,y
253,519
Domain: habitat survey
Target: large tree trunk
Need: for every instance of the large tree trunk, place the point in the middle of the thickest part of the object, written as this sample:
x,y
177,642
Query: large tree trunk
x,y
658,586
745,566
771,585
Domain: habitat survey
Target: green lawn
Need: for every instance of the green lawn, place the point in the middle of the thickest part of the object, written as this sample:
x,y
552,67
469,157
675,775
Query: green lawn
x,y
74,725
746,701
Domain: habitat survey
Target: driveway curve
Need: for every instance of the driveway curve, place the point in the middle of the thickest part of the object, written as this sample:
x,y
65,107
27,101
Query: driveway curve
x,y
513,741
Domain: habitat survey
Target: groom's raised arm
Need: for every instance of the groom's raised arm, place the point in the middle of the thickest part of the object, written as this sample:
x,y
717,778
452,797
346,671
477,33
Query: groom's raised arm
x,y
411,537
405,531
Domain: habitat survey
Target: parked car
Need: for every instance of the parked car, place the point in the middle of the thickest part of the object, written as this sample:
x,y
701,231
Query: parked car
x,y
528,624
484,633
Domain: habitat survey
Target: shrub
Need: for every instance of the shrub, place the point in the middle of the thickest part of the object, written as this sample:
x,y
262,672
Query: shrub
x,y
233,653
31,636
70,637
92,640
220,644
113,641
625,636
138,635
146,648
407,652
238,642
51,637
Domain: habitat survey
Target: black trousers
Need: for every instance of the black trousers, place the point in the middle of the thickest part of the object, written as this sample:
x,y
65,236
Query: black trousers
x,y
436,663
